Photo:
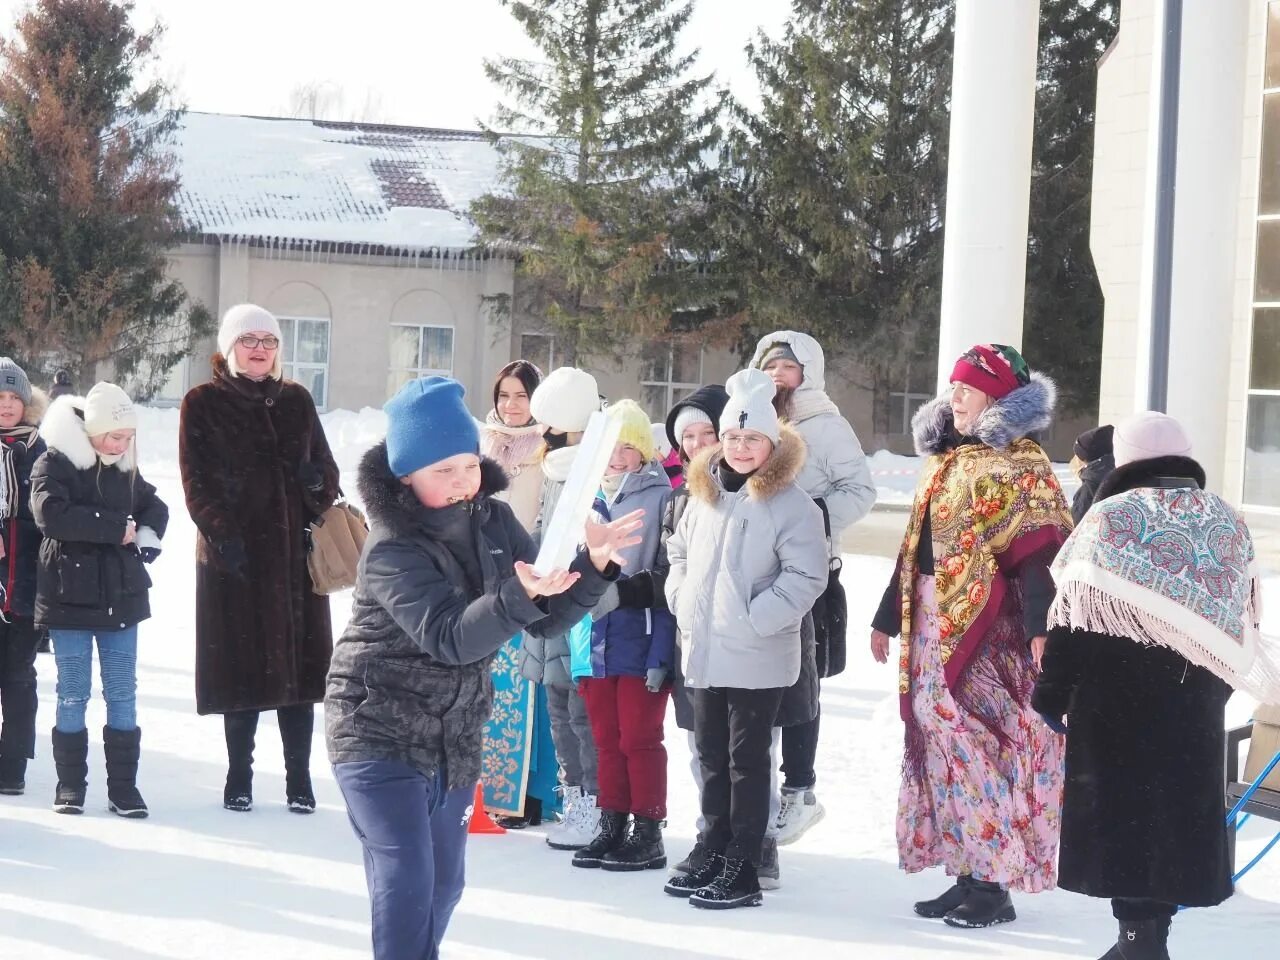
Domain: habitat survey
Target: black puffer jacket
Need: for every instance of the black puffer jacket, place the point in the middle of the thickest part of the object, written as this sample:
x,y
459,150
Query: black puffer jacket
x,y
88,580
436,596
21,535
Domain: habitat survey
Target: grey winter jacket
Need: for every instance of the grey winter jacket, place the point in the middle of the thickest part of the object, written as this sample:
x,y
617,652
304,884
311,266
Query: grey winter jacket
x,y
745,569
836,469
545,659
435,598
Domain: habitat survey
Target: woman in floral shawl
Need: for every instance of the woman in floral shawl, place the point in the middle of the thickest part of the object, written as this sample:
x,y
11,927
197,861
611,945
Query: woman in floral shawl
x,y
982,778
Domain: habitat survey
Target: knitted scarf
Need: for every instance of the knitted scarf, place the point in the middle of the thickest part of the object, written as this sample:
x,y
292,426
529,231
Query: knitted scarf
x,y
513,447
1175,567
988,510
10,489
807,403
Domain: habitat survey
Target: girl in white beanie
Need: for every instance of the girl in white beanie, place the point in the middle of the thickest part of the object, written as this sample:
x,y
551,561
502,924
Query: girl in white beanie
x,y
748,560
102,522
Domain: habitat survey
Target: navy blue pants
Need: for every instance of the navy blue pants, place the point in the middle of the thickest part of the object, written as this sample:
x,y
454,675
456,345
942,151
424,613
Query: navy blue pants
x,y
414,834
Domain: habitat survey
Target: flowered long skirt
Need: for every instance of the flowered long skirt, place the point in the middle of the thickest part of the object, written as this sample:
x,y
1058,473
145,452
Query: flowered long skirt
x,y
982,803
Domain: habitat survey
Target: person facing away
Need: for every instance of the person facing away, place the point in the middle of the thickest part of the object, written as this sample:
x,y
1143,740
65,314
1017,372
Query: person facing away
x,y
836,473
445,579
21,409
257,471
1092,462
981,784
628,677
1157,593
102,524
747,561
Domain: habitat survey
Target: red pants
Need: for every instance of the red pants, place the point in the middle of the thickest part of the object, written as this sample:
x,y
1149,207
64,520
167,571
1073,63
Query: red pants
x,y
626,722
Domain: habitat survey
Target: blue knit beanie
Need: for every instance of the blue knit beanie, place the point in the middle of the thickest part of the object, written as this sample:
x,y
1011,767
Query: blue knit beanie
x,y
427,422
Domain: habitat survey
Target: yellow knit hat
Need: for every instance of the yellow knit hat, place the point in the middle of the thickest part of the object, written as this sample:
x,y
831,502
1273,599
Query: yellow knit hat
x,y
636,429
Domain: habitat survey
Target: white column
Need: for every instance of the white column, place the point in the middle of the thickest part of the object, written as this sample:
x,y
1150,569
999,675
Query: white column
x,y
993,97
1211,103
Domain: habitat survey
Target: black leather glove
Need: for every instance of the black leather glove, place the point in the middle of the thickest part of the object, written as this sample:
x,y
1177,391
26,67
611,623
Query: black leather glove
x,y
149,554
311,477
233,557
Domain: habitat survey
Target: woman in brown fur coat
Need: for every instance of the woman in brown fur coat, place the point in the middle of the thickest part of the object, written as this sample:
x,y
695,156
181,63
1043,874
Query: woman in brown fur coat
x,y
257,471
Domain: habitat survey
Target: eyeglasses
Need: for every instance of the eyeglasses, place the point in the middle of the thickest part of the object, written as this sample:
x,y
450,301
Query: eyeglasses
x,y
750,441
252,343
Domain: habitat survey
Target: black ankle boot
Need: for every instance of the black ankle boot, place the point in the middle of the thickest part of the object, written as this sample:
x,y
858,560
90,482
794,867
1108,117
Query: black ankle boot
x,y
71,760
642,850
939,907
122,749
709,866
735,886
609,837
1141,940
13,775
986,905
532,816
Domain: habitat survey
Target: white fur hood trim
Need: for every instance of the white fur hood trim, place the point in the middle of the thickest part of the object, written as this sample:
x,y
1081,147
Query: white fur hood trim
x,y
63,430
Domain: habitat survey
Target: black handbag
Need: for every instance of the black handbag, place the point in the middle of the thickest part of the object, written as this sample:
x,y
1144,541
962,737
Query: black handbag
x,y
831,615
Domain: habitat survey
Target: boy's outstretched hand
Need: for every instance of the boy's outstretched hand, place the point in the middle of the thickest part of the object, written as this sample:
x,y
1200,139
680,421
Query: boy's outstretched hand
x,y
536,585
606,540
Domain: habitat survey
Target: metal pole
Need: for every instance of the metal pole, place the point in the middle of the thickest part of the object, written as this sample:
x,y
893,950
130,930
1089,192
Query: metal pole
x,y
1166,194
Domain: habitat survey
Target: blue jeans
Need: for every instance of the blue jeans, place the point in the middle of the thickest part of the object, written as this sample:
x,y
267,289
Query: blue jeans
x,y
118,661
414,834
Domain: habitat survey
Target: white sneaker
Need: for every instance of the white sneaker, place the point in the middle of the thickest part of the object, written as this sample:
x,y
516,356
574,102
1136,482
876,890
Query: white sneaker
x,y
800,811
577,827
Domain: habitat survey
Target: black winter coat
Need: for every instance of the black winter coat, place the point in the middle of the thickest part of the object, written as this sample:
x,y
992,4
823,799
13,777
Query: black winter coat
x,y
21,535
87,580
1091,477
435,598
1143,810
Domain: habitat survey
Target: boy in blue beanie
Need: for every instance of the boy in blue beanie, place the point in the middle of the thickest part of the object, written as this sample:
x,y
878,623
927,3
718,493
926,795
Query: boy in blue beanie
x,y
445,580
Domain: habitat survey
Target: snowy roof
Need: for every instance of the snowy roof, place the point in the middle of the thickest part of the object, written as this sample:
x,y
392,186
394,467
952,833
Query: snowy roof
x,y
304,182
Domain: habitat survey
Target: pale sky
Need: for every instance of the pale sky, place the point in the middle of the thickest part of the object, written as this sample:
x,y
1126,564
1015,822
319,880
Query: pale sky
x,y
419,62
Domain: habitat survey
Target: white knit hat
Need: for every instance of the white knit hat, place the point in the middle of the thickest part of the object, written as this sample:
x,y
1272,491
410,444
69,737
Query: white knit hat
x,y
750,405
1148,435
687,417
245,318
565,400
108,408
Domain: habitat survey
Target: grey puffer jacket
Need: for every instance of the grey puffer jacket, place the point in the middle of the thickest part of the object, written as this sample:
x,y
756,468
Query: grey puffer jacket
x,y
836,469
745,569
435,598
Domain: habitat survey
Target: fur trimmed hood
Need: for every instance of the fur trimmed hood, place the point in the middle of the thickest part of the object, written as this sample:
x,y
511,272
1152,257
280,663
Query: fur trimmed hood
x,y
778,472
1022,412
391,503
63,431
35,411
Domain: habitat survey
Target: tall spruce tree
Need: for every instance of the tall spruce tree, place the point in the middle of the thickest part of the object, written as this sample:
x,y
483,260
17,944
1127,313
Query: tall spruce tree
x,y
87,188
602,146
833,220
1064,303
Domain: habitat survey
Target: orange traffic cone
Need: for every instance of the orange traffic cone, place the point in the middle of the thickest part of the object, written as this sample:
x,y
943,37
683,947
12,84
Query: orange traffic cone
x,y
481,822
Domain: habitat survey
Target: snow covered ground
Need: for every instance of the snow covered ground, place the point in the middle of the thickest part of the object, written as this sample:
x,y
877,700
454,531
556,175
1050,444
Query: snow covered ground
x,y
196,882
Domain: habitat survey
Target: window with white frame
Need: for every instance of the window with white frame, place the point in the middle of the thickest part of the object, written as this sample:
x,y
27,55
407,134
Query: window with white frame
x,y
904,403
669,372
539,349
304,354
419,351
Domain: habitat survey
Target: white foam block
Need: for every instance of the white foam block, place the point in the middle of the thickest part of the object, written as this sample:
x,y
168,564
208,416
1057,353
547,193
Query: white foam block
x,y
564,534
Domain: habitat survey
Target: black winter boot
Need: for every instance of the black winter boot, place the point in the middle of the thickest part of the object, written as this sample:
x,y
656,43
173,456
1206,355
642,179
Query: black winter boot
x,y
686,884
694,861
532,816
122,748
296,726
986,905
609,837
13,775
642,850
939,907
239,728
735,886
71,760
1141,940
